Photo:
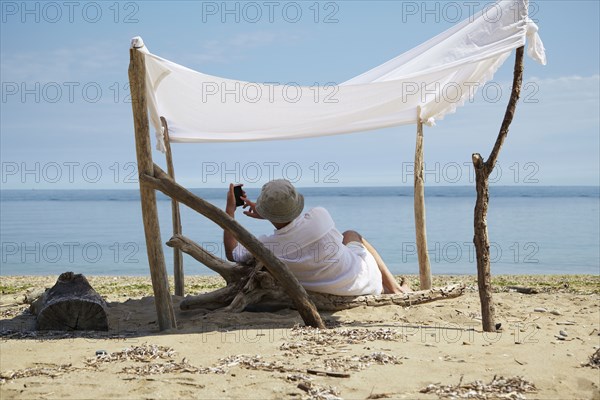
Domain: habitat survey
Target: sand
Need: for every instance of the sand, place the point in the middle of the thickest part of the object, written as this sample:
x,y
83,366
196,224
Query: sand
x,y
382,352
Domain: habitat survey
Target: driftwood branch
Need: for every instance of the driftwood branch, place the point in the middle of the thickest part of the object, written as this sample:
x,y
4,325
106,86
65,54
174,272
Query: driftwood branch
x,y
247,289
510,110
329,302
523,289
230,271
483,170
161,181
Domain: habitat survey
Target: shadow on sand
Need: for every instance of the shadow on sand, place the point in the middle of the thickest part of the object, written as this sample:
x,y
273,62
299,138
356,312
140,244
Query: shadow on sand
x,y
137,318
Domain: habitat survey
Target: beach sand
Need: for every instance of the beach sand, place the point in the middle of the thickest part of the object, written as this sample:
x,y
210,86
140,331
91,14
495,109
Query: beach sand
x,y
381,352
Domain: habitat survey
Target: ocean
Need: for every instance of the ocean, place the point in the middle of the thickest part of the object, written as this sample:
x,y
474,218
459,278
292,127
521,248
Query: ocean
x,y
532,229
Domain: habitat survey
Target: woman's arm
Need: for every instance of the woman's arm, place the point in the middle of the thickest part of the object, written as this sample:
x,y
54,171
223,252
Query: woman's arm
x,y
229,241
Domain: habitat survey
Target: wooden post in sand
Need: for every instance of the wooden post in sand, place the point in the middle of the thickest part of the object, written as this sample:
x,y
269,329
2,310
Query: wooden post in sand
x,y
482,173
419,205
175,217
156,259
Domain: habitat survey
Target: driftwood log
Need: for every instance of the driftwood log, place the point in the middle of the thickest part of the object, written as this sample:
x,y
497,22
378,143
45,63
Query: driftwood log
x,y
71,304
252,284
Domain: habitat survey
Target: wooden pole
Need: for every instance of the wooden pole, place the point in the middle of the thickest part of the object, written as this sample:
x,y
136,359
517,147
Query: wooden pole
x,y
163,182
175,217
156,259
482,173
419,205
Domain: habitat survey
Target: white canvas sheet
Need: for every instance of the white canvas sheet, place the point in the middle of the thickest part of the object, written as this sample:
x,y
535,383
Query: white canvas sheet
x,y
438,75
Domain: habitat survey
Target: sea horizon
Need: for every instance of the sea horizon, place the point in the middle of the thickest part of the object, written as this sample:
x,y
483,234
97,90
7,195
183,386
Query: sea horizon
x,y
401,190
533,229
322,186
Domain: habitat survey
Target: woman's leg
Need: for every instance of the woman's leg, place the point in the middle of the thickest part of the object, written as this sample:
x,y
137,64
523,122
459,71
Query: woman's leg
x,y
390,285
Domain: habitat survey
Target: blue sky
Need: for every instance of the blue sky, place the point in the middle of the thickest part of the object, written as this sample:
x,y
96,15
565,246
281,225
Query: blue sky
x,y
66,123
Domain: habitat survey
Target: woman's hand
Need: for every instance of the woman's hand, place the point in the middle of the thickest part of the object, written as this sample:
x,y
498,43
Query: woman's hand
x,y
251,212
230,207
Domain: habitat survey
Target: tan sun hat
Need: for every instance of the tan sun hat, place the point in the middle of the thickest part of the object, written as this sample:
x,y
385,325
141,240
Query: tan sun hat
x,y
279,201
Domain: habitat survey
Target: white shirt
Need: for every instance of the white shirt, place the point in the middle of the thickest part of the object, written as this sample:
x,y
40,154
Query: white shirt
x,y
312,249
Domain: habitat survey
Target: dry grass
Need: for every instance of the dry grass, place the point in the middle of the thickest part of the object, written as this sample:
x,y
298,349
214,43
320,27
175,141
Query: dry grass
x,y
141,286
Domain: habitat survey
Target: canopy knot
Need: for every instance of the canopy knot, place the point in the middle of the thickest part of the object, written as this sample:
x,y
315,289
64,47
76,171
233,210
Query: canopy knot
x,y
535,47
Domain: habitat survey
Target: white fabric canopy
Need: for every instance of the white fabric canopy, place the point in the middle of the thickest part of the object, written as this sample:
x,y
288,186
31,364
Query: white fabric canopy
x,y
438,75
